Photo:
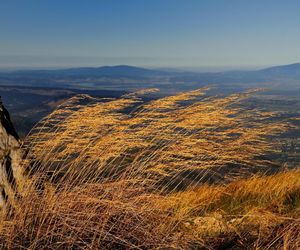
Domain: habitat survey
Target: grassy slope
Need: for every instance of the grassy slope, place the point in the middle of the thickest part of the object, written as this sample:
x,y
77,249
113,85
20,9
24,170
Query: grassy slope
x,y
262,213
102,179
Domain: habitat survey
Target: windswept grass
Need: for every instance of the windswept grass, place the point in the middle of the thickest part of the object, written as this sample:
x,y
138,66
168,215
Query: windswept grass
x,y
176,139
166,174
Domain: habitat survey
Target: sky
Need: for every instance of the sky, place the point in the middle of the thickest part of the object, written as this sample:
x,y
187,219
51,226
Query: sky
x,y
199,34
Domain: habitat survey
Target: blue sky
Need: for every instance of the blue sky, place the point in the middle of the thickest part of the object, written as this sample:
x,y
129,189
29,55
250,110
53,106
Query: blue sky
x,y
153,33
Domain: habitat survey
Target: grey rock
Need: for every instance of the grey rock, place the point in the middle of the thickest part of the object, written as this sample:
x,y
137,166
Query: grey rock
x,y
11,174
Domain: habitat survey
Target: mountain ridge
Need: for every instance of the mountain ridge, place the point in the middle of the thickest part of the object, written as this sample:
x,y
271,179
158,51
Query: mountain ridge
x,y
117,70
126,77
124,68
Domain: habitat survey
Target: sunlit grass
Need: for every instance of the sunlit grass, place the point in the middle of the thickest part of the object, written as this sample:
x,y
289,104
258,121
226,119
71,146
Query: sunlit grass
x,y
109,173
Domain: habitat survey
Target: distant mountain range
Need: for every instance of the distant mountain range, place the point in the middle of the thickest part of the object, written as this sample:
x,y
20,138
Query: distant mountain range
x,y
109,71
126,70
123,76
279,77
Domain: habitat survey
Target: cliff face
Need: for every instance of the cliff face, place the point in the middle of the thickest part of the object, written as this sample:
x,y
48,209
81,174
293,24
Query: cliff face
x,y
10,159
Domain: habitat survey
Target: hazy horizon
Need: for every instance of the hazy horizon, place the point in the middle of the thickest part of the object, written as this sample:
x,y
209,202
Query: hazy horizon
x,y
170,33
34,63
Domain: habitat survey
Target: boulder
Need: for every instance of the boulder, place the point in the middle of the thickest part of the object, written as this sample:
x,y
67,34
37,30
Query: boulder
x,y
11,174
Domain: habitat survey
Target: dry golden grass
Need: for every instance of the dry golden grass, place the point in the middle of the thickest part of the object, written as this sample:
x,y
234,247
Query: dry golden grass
x,y
123,174
172,139
258,213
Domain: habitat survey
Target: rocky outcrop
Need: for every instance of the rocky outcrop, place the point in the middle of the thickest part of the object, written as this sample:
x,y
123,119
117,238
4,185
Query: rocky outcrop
x,y
11,174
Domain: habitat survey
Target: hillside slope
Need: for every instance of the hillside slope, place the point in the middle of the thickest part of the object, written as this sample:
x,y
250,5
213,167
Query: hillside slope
x,y
173,173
